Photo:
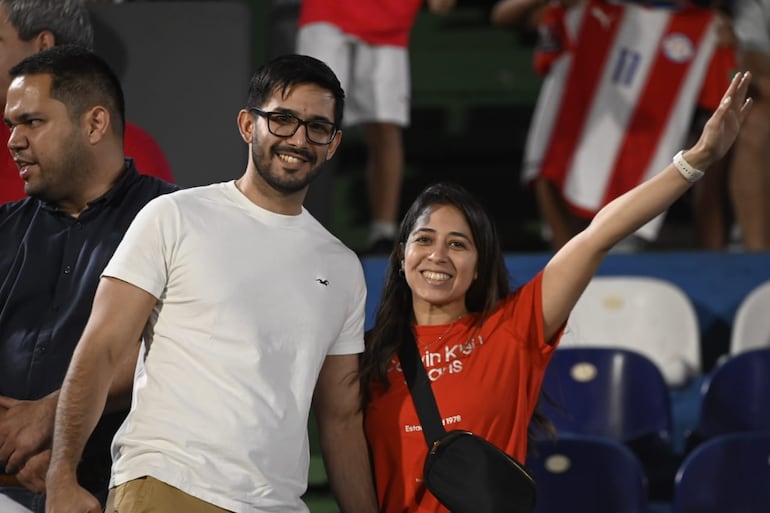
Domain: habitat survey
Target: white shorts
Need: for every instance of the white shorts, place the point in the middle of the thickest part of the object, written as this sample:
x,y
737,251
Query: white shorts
x,y
751,22
376,79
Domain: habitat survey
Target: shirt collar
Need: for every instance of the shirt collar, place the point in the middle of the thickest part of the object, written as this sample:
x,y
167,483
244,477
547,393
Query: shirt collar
x,y
126,178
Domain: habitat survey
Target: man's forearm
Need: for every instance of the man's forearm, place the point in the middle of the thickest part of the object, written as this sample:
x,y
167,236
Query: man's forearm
x,y
119,397
346,457
81,403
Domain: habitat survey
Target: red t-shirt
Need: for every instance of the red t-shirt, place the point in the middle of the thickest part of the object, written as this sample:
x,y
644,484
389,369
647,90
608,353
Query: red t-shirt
x,y
147,154
486,381
377,22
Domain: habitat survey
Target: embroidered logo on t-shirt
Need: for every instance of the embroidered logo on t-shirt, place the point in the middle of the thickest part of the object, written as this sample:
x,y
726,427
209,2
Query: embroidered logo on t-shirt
x,y
323,282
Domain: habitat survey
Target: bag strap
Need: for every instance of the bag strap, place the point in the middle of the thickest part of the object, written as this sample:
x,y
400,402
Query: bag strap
x,y
419,386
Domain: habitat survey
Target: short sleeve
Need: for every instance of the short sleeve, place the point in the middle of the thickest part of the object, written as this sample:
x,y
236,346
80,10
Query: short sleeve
x,y
144,255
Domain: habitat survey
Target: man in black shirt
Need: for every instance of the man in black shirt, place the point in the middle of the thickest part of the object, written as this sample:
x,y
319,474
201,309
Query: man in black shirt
x,y
65,112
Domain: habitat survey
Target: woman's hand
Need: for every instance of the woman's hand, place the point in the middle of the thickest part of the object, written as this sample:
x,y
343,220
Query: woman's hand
x,y
722,128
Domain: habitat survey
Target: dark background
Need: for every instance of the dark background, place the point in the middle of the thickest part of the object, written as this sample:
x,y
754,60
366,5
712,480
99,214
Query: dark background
x,y
185,66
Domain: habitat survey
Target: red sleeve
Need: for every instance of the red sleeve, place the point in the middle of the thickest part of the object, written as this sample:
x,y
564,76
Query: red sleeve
x,y
524,309
147,153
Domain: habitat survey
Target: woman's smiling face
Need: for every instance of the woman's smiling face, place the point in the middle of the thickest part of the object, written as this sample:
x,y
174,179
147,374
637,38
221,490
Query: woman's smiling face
x,y
440,259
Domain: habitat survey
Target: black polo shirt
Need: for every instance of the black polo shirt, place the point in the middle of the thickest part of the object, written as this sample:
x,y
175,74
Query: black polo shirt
x,y
50,264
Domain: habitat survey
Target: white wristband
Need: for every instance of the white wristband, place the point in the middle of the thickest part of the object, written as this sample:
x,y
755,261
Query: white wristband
x,y
689,173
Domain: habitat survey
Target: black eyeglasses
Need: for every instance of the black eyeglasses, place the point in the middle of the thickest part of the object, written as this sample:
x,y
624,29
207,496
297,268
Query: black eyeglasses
x,y
283,124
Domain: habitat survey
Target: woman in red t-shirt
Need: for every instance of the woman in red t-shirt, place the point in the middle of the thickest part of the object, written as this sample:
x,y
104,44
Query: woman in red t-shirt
x,y
485,349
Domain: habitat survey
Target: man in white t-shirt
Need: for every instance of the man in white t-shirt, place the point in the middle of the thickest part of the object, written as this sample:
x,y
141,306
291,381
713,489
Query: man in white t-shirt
x,y
248,310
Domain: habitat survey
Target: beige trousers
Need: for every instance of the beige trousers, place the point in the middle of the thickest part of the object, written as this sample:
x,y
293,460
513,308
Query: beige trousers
x,y
149,495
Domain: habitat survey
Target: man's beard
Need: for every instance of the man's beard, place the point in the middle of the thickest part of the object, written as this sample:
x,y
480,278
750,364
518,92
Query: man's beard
x,y
286,184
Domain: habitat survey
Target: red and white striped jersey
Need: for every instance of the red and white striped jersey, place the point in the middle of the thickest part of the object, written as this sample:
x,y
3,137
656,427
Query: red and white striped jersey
x,y
618,100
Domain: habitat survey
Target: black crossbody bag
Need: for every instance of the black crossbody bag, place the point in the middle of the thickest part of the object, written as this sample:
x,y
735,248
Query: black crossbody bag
x,y
466,473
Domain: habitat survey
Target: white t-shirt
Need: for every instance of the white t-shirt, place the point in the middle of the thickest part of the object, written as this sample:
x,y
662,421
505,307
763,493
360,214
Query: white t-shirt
x,y
249,304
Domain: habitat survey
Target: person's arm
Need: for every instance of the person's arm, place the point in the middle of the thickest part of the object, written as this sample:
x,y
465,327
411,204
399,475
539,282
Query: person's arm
x,y
567,274
26,427
516,13
441,6
749,176
120,313
32,474
337,405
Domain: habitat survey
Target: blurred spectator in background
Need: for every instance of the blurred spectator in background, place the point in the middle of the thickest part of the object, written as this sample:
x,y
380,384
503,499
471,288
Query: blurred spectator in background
x,y
520,15
709,199
30,26
366,42
621,84
750,168
282,40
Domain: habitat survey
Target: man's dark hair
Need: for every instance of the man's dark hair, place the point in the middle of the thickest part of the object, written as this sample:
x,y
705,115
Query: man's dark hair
x,y
67,20
80,79
286,71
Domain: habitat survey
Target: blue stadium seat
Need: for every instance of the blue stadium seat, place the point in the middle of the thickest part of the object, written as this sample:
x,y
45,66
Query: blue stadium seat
x,y
735,396
726,474
619,394
603,391
580,474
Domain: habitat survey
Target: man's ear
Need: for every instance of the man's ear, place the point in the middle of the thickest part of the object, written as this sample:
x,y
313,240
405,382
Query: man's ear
x,y
246,125
44,40
97,123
